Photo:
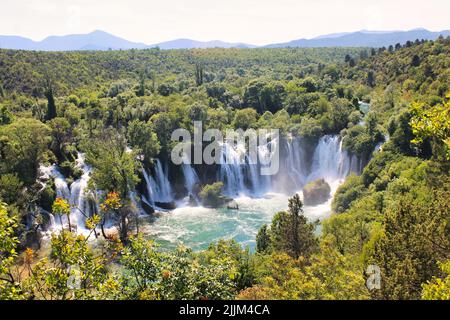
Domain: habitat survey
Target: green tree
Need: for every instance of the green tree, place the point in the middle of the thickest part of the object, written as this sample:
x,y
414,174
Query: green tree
x,y
74,272
245,119
432,123
141,136
371,79
23,146
415,238
114,166
211,195
438,289
9,288
51,106
291,232
262,239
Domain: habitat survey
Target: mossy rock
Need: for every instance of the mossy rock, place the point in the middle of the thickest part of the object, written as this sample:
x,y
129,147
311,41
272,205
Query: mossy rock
x,y
316,192
212,197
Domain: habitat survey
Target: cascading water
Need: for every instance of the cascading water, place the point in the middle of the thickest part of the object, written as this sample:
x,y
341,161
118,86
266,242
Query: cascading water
x,y
232,169
62,189
158,188
330,161
76,195
81,207
258,197
190,177
295,163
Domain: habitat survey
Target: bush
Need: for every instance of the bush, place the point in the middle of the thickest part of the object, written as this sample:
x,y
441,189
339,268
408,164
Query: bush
x,y
316,192
211,195
349,191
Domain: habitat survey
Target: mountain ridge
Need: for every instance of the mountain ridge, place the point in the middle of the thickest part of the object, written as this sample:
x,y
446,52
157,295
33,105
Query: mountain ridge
x,y
101,40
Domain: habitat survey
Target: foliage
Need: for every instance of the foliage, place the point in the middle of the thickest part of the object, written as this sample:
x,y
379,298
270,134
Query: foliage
x,y
433,123
9,288
23,144
438,289
211,195
329,276
414,240
290,232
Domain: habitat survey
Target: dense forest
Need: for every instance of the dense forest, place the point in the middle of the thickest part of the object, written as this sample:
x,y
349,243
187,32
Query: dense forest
x,y
119,108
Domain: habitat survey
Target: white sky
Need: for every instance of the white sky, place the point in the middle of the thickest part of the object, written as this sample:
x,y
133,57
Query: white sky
x,y
251,21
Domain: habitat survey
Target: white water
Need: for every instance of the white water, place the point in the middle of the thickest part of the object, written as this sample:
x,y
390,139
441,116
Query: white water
x,y
257,196
158,187
232,169
190,178
76,195
329,162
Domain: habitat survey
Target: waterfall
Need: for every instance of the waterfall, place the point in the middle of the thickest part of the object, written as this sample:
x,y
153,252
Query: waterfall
x,y
330,161
62,189
190,177
232,169
78,200
264,155
75,195
158,187
294,162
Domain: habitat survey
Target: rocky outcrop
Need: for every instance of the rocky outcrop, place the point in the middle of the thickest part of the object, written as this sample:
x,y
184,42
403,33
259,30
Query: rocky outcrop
x,y
232,205
316,192
166,205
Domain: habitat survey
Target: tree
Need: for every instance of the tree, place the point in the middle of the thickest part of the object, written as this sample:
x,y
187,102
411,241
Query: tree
x,y
114,166
432,123
199,74
163,124
74,272
6,116
9,288
62,134
415,238
198,112
264,96
141,91
51,106
61,208
11,188
329,276
371,79
262,239
415,61
211,195
142,136
438,289
341,109
178,274
245,119
23,146
113,207
291,232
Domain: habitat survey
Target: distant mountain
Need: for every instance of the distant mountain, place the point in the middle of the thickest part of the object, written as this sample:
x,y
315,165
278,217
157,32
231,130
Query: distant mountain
x,y
363,38
97,40
16,42
100,40
191,44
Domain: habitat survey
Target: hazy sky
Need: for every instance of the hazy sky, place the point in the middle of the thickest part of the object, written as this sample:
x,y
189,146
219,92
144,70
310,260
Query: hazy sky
x,y
250,21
